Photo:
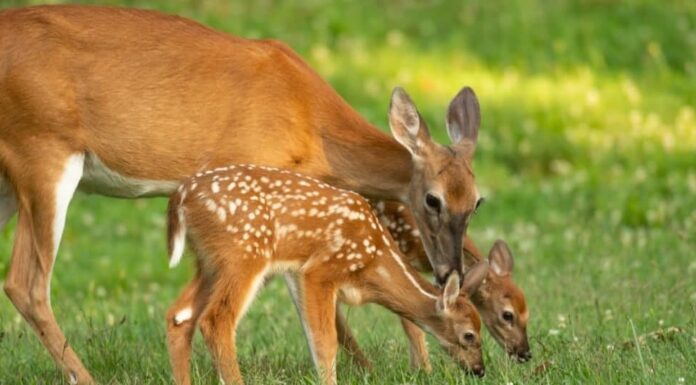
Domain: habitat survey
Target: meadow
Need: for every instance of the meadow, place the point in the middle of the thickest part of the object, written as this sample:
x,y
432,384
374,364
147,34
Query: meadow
x,y
587,158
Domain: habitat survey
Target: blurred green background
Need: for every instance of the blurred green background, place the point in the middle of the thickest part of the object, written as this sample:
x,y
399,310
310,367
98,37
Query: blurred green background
x,y
587,157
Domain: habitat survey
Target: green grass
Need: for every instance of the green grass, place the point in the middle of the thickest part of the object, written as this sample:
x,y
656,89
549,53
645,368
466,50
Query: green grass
x,y
587,157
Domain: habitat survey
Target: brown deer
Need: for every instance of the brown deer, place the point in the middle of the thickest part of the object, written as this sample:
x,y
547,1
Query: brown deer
x,y
127,103
246,222
500,301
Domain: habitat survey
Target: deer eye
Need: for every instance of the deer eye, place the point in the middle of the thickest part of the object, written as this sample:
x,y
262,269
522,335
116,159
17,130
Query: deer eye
x,y
479,203
432,202
469,337
508,316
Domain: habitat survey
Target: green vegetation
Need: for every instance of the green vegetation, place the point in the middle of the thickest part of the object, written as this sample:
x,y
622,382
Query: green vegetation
x,y
587,157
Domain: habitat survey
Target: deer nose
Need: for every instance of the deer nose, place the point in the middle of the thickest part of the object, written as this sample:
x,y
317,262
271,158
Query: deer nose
x,y
441,276
524,356
479,370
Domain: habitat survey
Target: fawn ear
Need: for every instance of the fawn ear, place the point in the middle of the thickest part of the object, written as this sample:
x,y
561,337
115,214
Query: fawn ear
x,y
449,293
464,117
500,258
406,124
473,278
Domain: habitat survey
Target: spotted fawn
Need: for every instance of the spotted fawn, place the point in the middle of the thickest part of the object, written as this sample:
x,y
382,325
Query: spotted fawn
x,y
247,222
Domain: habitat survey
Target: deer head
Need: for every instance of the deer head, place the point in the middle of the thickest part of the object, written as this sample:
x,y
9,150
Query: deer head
x,y
442,192
502,304
457,325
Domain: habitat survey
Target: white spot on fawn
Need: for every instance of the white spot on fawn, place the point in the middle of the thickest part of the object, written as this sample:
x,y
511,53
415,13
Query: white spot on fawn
x,y
222,214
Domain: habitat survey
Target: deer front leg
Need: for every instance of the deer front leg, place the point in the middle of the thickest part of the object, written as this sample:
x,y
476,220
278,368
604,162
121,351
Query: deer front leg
x,y
182,318
43,191
418,348
345,336
349,343
319,318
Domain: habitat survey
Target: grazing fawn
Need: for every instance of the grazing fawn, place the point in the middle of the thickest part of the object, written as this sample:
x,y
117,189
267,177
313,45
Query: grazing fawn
x,y
499,300
246,222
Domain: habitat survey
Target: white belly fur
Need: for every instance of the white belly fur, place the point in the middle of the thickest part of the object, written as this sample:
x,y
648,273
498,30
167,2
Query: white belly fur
x,y
99,179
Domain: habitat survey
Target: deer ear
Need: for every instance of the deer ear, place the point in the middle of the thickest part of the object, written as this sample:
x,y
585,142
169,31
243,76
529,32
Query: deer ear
x,y
474,277
500,258
449,293
464,117
405,122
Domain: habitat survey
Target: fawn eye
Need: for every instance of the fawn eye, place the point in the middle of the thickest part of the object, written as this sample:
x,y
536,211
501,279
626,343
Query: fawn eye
x,y
432,202
469,337
508,316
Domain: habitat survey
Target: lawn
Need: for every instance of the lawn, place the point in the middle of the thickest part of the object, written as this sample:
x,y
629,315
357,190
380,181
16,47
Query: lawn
x,y
587,158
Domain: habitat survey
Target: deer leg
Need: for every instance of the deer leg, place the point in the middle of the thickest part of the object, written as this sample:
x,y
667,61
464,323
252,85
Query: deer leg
x,y
228,301
345,336
43,202
348,342
418,348
182,318
8,202
319,315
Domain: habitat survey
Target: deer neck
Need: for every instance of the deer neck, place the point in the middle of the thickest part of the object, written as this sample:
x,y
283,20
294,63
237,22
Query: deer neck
x,y
472,255
364,159
400,288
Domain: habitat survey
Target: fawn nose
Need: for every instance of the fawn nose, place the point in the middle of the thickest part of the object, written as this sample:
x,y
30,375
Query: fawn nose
x,y
479,370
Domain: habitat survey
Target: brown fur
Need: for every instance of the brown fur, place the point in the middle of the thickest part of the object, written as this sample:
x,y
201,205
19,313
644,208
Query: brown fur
x,y
496,293
157,97
245,222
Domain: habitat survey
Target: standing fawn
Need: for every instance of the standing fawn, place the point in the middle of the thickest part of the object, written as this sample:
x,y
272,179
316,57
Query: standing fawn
x,y
499,300
246,222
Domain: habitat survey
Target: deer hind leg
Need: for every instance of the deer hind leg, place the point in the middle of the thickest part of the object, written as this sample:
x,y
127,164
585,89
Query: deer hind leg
x,y
418,348
43,199
182,318
348,341
228,299
318,312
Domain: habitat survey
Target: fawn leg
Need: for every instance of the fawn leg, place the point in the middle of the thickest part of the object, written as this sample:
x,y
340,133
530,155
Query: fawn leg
x,y
182,318
230,296
319,315
345,336
348,341
418,348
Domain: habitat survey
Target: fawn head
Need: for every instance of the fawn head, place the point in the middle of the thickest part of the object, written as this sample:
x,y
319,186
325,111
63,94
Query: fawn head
x,y
442,192
457,324
502,304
